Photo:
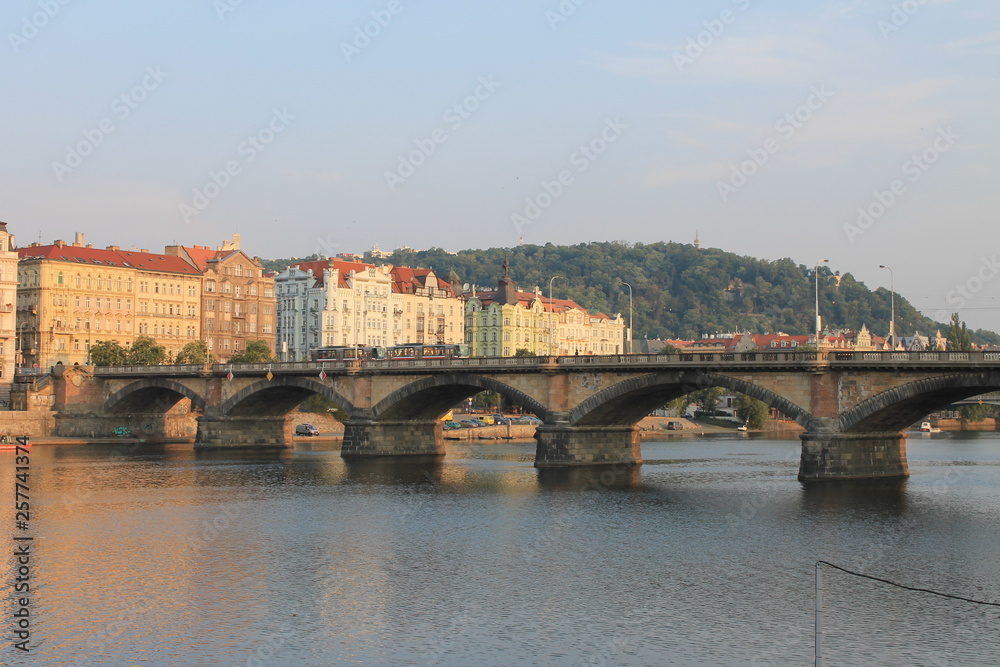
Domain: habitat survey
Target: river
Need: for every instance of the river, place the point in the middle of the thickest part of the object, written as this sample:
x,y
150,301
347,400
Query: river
x,y
159,555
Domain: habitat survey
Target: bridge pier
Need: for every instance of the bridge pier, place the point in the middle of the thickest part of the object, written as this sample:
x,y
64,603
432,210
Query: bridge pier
x,y
367,437
836,456
562,446
240,432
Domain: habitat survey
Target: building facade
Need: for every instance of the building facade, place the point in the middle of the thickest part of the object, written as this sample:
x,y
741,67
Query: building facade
x,y
8,317
237,297
339,303
72,296
498,323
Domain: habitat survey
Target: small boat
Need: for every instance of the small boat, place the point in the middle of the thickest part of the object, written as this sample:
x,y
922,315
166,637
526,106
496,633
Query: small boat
x,y
925,427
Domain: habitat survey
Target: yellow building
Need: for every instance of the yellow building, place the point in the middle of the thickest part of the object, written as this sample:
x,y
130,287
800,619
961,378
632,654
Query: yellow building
x,y
72,296
501,322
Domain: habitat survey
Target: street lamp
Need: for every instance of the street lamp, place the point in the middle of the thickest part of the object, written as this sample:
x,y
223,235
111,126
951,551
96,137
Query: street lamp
x,y
629,316
20,340
551,308
818,325
892,307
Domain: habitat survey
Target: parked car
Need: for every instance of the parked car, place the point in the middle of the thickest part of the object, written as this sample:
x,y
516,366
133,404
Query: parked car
x,y
527,419
486,419
475,422
306,429
675,426
451,425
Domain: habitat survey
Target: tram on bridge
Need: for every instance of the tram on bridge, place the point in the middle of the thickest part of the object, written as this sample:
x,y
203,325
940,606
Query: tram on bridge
x,y
395,352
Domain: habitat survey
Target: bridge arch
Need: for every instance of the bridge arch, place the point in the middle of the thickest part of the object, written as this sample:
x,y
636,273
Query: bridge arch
x,y
279,396
897,408
151,395
436,394
625,403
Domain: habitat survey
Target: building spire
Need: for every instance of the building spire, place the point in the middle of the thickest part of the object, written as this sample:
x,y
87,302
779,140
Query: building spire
x,y
697,241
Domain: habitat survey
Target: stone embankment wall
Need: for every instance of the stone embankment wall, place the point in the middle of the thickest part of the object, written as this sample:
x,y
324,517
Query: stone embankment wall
x,y
35,423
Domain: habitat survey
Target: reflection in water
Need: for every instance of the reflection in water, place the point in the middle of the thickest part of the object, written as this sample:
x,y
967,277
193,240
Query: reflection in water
x,y
590,478
889,495
704,555
389,470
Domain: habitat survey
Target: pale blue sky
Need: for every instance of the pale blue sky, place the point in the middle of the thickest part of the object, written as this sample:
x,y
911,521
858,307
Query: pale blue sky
x,y
882,88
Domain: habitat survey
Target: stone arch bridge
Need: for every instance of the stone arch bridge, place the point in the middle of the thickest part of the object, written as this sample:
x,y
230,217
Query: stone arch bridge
x,y
852,405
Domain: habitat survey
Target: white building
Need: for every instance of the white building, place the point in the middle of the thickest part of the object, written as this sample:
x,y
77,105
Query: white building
x,y
8,297
340,303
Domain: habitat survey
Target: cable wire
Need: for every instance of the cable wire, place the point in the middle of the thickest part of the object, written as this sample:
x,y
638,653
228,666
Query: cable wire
x,y
908,588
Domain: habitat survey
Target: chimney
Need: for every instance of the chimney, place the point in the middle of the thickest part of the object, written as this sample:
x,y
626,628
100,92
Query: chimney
x,y
60,243
78,241
145,250
114,247
90,245
236,241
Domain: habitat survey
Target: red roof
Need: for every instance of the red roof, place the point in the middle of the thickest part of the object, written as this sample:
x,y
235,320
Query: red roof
x,y
318,266
106,257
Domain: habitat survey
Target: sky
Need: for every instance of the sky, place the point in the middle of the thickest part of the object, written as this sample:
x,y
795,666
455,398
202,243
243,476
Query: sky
x,y
863,132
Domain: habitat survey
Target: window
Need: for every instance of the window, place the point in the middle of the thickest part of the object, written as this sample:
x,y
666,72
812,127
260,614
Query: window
x,y
210,286
59,280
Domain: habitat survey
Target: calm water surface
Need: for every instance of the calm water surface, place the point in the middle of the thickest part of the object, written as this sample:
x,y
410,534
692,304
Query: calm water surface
x,y
704,555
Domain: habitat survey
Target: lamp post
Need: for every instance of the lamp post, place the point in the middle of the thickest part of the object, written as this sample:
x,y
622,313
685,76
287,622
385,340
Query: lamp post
x,y
818,325
20,340
892,307
629,315
551,308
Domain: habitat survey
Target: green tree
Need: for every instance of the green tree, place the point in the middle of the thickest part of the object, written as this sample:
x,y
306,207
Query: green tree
x,y
524,352
195,352
256,352
752,411
108,353
974,413
318,403
145,352
708,398
679,404
959,339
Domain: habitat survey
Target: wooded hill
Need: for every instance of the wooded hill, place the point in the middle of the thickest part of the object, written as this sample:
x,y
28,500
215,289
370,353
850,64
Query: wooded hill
x,y
681,291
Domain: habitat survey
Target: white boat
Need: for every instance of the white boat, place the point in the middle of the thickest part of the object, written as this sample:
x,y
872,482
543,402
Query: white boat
x,y
925,427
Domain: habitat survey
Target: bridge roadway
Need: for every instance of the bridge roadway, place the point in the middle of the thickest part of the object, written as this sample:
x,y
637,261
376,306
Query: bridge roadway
x,y
852,405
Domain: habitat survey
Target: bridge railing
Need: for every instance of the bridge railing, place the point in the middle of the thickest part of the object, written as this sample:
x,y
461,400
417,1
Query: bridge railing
x,y
763,358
